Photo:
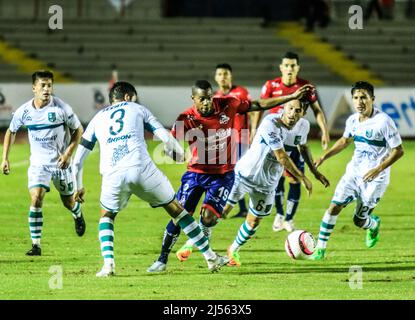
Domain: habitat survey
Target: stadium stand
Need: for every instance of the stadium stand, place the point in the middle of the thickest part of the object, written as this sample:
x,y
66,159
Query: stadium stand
x,y
150,50
173,51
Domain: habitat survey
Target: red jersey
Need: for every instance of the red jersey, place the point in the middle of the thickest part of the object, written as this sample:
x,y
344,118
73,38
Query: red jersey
x,y
241,120
210,137
276,88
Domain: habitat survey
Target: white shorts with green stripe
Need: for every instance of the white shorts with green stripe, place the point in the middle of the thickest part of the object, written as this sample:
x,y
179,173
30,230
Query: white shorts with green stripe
x,y
351,187
40,176
260,201
149,184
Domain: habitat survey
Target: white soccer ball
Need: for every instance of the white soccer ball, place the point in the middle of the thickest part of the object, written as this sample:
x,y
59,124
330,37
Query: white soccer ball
x,y
300,244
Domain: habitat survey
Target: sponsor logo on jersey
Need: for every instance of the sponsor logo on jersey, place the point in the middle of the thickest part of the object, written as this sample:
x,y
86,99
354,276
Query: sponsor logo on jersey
x,y
25,115
52,116
223,118
45,139
274,137
297,140
278,92
124,137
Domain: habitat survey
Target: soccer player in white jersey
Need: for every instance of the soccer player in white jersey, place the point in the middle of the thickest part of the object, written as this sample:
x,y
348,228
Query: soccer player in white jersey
x,y
259,170
377,146
127,169
54,132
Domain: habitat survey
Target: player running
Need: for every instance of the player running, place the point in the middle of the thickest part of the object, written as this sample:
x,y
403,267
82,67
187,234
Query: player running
x,y
223,77
286,84
54,132
207,126
258,171
377,146
127,169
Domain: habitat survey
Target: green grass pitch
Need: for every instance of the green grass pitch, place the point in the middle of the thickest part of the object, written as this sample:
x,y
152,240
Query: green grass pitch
x,y
266,271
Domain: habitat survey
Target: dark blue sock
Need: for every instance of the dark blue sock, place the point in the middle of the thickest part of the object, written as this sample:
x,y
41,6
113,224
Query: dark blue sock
x,y
242,205
171,234
279,197
292,201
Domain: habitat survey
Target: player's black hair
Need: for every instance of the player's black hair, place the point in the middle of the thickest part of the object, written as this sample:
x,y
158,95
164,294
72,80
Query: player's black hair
x,y
226,66
363,85
291,55
201,84
41,74
120,89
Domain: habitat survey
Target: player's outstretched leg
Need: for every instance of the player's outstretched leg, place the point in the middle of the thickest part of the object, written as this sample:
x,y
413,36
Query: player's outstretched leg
x,y
189,226
363,218
80,225
76,211
206,226
35,227
326,228
293,200
171,234
193,231
246,232
372,233
106,239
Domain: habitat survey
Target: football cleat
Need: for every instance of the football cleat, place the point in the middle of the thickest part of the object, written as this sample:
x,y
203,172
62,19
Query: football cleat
x,y
35,251
318,254
289,226
80,225
372,236
234,259
184,252
106,271
157,266
218,262
278,224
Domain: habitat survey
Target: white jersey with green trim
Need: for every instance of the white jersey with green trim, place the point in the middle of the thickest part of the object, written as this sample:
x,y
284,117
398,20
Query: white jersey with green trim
x,y
119,129
48,129
373,138
297,136
258,166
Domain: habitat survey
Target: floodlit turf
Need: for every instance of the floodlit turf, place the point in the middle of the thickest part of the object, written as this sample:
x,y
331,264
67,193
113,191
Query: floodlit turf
x,y
266,271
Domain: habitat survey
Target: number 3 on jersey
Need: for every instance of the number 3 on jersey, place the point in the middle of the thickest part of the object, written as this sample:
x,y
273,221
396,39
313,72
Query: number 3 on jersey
x,y
118,119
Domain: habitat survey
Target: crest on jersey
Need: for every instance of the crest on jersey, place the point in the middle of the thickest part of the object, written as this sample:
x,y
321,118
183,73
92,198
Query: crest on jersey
x,y
223,118
297,140
52,116
369,133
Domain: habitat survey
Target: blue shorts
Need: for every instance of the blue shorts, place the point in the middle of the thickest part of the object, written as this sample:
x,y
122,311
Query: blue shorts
x,y
215,186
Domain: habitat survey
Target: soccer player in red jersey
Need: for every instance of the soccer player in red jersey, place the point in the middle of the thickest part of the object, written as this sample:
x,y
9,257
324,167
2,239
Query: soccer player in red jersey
x,y
208,128
286,84
223,77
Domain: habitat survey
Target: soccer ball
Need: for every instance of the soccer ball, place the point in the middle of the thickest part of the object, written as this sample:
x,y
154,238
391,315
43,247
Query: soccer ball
x,y
300,244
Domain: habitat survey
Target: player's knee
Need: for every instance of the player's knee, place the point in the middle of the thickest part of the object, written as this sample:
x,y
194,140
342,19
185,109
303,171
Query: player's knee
x,y
358,222
209,219
68,203
253,223
36,201
334,209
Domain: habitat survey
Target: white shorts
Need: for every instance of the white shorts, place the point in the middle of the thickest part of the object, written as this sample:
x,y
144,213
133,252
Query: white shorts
x,y
351,187
149,184
40,176
260,203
